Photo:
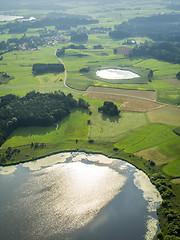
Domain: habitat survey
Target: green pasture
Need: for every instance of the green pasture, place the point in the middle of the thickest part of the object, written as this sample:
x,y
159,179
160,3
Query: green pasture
x,y
169,115
171,149
146,137
177,130
71,128
171,95
160,68
111,129
19,65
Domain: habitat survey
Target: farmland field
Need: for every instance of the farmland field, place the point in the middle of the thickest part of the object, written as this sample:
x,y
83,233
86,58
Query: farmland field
x,y
128,103
146,137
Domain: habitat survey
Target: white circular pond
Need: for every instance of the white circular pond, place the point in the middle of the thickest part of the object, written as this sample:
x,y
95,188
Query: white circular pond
x,y
116,74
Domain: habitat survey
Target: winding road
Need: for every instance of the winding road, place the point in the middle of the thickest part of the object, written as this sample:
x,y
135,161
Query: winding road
x,y
123,95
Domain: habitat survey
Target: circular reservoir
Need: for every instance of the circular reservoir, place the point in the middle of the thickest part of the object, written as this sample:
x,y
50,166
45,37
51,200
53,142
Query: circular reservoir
x,y
116,74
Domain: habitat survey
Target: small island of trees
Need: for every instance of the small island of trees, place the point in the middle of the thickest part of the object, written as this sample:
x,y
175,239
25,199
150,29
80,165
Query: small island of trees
x,y
42,68
109,108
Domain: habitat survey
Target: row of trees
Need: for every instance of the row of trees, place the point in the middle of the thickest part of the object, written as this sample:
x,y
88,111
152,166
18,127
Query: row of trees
x,y
61,52
34,109
42,68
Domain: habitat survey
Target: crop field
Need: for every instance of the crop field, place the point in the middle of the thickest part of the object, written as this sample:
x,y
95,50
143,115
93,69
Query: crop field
x,y
169,115
128,103
133,93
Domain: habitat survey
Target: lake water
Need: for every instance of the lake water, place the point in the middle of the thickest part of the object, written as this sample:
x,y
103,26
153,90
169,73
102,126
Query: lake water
x,y
116,74
77,196
12,18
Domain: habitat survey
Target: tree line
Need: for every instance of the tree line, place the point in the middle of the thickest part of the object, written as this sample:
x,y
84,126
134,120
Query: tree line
x,y
165,51
162,27
42,68
35,109
61,52
59,23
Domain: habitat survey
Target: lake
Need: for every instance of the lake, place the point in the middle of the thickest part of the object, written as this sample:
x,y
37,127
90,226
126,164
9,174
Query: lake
x,y
77,196
116,74
12,18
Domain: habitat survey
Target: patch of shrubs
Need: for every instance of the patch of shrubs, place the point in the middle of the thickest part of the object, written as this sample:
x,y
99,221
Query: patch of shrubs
x,y
84,70
37,145
8,154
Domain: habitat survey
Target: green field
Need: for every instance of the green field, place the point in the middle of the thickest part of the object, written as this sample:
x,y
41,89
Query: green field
x,y
146,137
110,129
173,169
71,128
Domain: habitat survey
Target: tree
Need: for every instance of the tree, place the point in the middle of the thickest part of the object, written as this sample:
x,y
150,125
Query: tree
x,y
178,75
115,50
109,108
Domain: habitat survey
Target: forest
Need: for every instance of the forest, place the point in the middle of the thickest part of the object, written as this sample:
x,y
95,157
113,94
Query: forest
x,y
167,29
59,23
34,109
165,51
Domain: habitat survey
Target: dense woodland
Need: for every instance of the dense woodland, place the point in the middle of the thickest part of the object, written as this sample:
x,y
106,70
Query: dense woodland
x,y
60,23
79,37
34,109
42,68
162,27
165,51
